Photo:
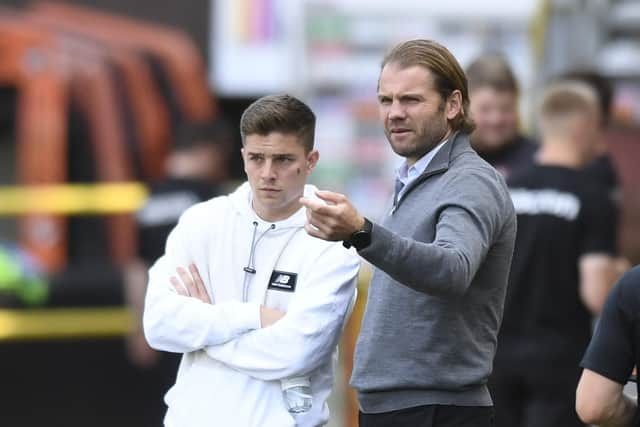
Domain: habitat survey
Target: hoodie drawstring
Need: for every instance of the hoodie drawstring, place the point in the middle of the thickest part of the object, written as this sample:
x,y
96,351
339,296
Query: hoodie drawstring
x,y
249,269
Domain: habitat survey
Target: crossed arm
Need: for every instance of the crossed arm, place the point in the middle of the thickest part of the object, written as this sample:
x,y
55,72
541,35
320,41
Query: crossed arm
x,y
306,336
181,318
267,344
191,284
177,322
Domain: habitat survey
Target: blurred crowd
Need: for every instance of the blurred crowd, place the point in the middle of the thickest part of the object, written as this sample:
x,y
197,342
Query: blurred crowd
x,y
565,190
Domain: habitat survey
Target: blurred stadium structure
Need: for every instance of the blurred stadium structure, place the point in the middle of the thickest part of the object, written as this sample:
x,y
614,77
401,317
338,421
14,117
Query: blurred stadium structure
x,y
89,101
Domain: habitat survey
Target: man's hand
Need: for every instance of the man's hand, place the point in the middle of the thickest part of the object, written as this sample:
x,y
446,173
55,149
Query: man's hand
x,y
335,220
269,316
190,285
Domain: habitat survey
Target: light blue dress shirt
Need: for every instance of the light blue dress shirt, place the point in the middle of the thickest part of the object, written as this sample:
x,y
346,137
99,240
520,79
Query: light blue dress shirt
x,y
407,174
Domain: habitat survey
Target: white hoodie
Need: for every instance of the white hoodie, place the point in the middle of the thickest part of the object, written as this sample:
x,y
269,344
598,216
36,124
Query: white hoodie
x,y
231,369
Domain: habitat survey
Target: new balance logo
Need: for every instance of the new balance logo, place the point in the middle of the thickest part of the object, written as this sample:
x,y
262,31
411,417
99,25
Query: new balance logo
x,y
283,281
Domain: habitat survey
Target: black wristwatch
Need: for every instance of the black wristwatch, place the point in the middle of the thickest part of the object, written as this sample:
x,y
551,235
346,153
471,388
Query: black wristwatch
x,y
360,239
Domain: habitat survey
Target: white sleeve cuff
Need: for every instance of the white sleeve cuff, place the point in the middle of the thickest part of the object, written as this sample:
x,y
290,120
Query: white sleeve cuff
x,y
237,317
247,313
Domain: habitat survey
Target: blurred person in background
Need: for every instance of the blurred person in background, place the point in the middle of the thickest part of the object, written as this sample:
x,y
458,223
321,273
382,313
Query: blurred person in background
x,y
441,253
601,167
493,91
195,169
562,266
609,361
246,295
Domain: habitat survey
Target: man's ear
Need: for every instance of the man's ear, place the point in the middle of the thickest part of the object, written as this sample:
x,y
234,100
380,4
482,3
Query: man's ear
x,y
312,160
453,106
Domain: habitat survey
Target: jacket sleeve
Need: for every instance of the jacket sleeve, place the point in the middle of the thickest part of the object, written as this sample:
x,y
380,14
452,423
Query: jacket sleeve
x,y
307,335
473,211
181,324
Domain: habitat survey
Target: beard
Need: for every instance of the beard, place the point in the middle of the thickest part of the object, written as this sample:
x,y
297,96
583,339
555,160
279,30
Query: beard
x,y
421,140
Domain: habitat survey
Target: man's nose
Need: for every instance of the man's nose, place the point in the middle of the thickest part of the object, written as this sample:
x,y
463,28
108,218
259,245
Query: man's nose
x,y
396,111
268,170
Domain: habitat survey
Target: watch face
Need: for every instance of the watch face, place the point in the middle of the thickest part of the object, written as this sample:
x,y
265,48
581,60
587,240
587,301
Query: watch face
x,y
361,239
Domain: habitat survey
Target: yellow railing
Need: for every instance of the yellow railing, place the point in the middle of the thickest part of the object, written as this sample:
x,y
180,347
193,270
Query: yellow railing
x,y
55,323
72,199
68,199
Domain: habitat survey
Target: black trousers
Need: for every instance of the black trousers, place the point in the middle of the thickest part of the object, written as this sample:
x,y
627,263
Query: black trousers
x,y
529,393
431,416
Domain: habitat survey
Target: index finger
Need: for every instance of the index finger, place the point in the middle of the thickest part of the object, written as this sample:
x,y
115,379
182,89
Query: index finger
x,y
315,205
178,286
200,288
187,281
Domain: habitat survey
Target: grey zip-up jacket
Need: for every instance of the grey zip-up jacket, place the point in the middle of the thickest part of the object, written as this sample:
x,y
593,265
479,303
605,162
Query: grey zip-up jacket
x,y
442,261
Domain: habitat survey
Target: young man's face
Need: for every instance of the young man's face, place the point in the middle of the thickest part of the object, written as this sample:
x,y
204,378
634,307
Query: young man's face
x,y
277,166
415,116
495,113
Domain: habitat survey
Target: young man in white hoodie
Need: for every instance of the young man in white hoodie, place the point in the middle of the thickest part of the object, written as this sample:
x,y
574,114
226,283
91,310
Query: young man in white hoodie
x,y
246,294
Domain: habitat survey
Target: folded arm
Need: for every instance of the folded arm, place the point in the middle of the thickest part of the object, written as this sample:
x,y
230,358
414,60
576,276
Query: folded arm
x,y
307,335
180,323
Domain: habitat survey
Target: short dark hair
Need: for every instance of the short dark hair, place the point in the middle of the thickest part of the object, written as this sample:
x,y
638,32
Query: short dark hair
x,y
448,75
192,134
492,70
279,113
599,83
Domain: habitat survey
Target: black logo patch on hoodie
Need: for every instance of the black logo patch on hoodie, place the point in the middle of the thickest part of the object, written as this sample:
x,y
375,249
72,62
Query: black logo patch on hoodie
x,y
283,281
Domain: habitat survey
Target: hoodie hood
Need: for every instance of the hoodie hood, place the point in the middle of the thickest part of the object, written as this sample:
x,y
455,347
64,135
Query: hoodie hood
x,y
241,202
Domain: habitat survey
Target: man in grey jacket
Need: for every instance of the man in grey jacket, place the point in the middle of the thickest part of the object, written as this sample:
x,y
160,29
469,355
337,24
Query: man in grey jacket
x,y
441,254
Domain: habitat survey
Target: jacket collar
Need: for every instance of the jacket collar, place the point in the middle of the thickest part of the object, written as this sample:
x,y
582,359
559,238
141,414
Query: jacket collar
x,y
457,144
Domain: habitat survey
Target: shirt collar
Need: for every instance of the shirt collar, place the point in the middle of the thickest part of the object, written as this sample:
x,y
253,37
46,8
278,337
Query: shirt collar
x,y
406,173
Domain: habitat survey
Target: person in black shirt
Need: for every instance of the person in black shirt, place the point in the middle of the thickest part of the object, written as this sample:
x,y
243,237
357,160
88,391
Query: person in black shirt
x,y
494,107
602,167
195,167
612,354
562,267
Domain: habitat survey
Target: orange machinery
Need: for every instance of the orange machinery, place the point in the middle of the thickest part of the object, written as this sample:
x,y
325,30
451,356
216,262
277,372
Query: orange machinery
x,y
29,62
78,52
180,63
43,132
